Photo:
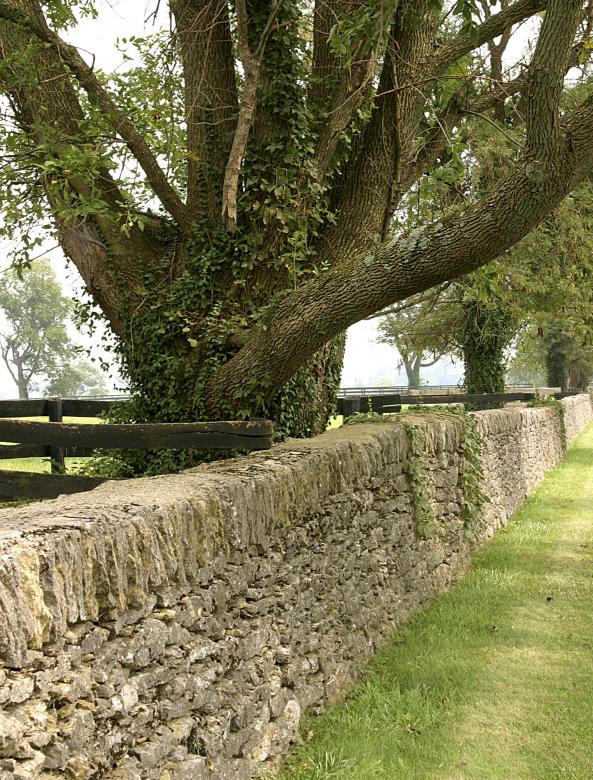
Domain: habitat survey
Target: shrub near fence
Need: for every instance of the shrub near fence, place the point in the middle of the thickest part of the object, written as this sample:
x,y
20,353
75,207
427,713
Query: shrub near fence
x,y
57,440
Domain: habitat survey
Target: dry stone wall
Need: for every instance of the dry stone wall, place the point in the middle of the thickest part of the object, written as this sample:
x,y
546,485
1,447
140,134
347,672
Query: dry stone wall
x,y
176,627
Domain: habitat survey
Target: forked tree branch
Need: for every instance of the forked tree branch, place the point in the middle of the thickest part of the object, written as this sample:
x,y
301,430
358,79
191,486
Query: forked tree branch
x,y
317,312
85,75
494,26
337,88
363,196
96,244
251,62
437,137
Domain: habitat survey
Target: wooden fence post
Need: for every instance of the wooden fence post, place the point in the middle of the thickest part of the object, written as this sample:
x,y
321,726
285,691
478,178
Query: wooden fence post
x,y
54,411
350,406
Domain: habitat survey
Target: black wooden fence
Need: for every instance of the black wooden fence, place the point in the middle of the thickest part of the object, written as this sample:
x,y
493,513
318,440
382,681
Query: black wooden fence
x,y
387,403
57,440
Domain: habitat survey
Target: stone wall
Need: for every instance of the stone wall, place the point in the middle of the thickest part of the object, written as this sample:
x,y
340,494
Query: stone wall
x,y
176,627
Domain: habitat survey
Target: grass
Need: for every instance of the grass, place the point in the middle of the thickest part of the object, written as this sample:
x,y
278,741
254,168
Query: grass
x,y
338,420
42,465
493,681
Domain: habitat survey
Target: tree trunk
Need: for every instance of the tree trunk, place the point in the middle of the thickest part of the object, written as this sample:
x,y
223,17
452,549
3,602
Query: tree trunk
x,y
487,333
22,383
412,365
183,331
557,359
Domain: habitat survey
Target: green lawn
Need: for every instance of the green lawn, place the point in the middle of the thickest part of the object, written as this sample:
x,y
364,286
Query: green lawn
x,y
495,680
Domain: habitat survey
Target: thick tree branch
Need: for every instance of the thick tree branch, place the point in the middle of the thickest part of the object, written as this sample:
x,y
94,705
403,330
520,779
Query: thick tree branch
x,y
135,142
211,102
545,80
384,182
326,67
497,51
320,310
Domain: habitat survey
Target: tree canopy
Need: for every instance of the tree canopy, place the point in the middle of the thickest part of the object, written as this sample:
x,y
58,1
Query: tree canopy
x,y
229,197
34,342
77,378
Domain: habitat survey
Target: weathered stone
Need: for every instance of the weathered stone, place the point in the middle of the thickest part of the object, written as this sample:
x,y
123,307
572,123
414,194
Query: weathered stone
x,y
12,731
125,699
25,770
94,640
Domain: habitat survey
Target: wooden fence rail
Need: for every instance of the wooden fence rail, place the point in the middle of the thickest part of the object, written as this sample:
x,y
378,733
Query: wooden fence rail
x,y
57,440
389,403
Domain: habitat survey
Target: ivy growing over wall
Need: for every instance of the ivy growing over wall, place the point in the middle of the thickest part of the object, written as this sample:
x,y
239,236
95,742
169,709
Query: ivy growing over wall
x,y
419,475
553,403
471,471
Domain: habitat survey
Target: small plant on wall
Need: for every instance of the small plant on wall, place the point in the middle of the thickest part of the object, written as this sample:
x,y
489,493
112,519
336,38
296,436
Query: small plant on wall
x,y
472,475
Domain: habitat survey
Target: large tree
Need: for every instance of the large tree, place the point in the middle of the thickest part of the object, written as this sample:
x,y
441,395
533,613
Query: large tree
x,y
34,342
228,200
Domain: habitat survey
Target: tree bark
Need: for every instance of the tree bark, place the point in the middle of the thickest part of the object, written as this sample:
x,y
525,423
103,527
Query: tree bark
x,y
22,382
412,366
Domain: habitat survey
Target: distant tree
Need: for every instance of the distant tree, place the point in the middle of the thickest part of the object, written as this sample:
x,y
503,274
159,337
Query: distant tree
x,y
80,378
422,332
568,360
34,342
556,354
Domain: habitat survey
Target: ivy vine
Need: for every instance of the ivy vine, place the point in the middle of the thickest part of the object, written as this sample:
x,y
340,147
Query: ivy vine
x,y
419,476
553,403
471,471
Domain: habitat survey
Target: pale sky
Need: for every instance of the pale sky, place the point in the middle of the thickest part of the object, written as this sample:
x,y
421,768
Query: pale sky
x,y
366,362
